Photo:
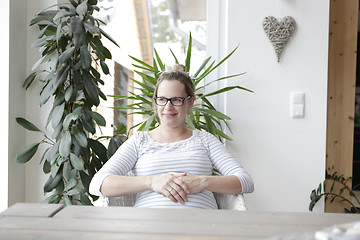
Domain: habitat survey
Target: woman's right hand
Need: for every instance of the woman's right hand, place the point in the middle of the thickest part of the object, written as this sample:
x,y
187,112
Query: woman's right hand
x,y
171,186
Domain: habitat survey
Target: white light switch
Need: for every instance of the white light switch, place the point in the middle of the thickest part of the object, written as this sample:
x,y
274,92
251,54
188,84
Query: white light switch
x,y
297,104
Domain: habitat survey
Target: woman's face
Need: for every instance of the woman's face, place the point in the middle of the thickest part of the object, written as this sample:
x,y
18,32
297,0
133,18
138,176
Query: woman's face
x,y
173,116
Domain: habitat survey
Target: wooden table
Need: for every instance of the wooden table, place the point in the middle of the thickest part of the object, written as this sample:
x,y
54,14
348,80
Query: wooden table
x,y
54,221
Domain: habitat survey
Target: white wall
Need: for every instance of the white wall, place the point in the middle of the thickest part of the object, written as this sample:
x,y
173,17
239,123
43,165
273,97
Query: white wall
x,y
4,99
17,106
285,156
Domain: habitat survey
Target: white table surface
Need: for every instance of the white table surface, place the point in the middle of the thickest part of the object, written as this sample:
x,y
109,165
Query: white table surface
x,y
46,221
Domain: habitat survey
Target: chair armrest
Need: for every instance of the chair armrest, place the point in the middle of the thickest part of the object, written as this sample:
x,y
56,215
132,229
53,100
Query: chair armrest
x,y
231,202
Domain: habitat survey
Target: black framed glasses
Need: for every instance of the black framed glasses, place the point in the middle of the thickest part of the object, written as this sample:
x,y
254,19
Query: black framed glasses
x,y
175,101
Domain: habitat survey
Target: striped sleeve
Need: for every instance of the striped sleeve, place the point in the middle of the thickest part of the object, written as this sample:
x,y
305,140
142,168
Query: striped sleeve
x,y
226,164
120,163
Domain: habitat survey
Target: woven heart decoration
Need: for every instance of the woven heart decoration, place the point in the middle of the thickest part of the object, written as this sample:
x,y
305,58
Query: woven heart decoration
x,y
279,31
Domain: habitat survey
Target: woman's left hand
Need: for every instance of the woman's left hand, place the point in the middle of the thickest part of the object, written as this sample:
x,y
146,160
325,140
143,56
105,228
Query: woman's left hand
x,y
194,183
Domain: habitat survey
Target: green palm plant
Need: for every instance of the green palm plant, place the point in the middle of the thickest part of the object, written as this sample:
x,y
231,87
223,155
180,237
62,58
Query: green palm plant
x,y
71,47
203,115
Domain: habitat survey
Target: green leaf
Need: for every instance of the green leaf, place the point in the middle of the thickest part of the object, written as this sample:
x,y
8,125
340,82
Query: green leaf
x,y
27,153
42,32
108,37
75,4
68,93
46,93
52,199
98,148
76,162
222,135
58,113
37,64
67,172
47,12
67,201
54,169
88,123
92,2
81,9
52,182
149,122
84,199
62,13
209,124
28,81
78,30
91,89
61,76
70,184
112,147
85,57
39,19
66,55
59,99
150,68
104,67
46,167
91,28
175,58
188,55
189,120
99,119
98,48
332,186
162,66
225,89
85,179
75,191
71,117
65,144
81,138
59,189
219,79
214,113
95,73
202,67
27,125
209,70
121,129
53,153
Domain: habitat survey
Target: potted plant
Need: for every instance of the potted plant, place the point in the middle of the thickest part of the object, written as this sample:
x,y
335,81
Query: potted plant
x,y
345,194
70,40
204,116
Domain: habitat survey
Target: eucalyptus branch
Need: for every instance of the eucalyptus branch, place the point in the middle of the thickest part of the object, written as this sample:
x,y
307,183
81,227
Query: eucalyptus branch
x,y
66,40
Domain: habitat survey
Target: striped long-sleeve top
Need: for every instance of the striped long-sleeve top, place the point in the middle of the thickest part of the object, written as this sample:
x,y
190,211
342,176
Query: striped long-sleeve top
x,y
197,155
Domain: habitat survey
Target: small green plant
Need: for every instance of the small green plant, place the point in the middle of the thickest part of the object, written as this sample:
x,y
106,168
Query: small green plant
x,y
72,51
345,193
203,115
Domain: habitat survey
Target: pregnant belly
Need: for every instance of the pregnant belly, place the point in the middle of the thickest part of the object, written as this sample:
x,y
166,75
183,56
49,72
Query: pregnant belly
x,y
150,199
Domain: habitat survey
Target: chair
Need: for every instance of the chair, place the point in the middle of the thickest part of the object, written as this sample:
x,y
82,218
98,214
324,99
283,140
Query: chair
x,y
224,201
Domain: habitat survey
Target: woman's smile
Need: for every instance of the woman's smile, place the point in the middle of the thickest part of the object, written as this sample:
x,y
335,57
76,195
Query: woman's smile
x,y
169,115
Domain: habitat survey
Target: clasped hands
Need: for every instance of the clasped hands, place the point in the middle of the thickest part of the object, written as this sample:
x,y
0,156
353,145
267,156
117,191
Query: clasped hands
x,y
176,186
